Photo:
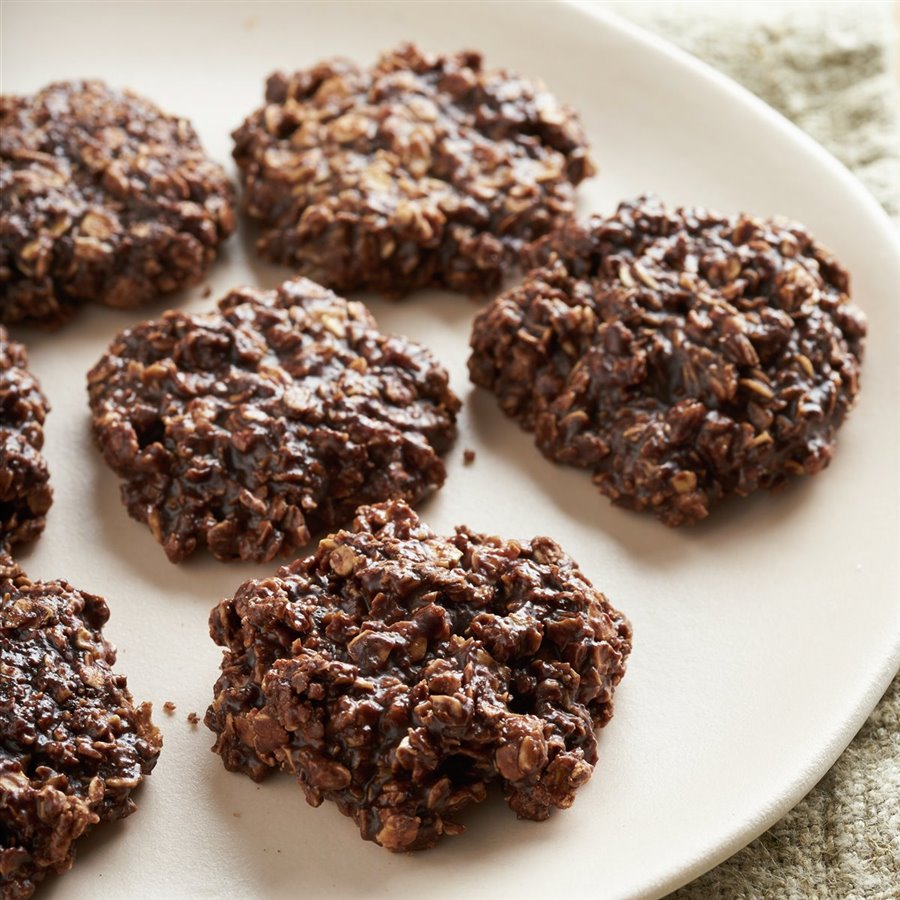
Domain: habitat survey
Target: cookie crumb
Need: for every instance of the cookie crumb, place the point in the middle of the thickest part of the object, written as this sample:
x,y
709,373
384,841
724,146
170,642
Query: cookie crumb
x,y
207,292
468,457
169,707
193,718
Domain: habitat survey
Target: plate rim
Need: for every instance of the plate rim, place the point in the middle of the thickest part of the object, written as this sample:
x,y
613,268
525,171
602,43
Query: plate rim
x,y
739,836
730,840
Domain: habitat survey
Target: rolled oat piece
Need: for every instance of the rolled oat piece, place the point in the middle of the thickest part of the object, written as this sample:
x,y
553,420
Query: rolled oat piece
x,y
247,428
103,197
679,355
421,170
399,673
25,494
73,745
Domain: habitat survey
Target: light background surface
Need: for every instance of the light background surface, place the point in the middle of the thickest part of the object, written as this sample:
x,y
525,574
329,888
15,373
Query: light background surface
x,y
762,637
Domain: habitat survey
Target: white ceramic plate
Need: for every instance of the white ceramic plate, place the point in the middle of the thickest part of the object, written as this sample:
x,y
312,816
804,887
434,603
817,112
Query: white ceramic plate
x,y
762,638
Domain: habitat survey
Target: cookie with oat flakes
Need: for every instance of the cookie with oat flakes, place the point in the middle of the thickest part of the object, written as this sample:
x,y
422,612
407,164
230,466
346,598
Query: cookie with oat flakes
x,y
680,355
73,744
104,197
25,494
398,673
246,428
422,170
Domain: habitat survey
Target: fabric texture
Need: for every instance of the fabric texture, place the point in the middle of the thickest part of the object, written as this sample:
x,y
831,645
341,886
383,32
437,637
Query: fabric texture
x,y
830,67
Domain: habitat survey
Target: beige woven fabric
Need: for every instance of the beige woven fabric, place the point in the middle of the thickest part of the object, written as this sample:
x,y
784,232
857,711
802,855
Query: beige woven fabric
x,y
830,67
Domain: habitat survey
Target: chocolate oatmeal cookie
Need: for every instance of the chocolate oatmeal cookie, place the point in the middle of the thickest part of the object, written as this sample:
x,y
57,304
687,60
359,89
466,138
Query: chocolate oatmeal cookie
x,y
678,354
73,746
399,673
246,428
25,494
102,197
423,170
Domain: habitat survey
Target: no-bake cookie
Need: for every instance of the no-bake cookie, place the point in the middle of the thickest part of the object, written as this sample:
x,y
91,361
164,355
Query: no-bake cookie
x,y
422,170
679,355
73,745
102,197
25,494
246,428
398,673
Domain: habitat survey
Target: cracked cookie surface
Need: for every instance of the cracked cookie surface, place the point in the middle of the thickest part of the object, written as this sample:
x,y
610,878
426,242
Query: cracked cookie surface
x,y
679,355
398,673
421,170
25,494
246,428
73,745
104,198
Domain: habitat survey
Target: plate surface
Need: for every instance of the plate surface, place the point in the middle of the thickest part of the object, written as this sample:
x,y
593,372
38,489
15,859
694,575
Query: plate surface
x,y
762,637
